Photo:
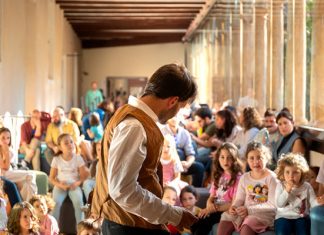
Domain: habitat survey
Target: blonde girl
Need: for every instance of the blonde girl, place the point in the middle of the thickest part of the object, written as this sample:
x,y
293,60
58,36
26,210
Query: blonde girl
x,y
294,196
48,224
67,173
253,209
226,172
22,219
171,164
87,227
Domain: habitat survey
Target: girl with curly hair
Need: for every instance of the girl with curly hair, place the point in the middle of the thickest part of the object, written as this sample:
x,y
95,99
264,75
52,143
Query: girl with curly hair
x,y
43,205
294,196
251,122
252,211
23,220
227,169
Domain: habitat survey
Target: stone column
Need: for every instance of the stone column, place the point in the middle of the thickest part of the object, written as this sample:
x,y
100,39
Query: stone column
x,y
290,72
277,35
295,85
220,59
227,56
248,46
235,56
300,61
317,67
261,42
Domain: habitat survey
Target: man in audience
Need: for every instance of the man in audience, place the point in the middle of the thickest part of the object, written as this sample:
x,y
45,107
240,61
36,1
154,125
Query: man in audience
x,y
93,97
59,125
32,132
207,129
272,126
185,151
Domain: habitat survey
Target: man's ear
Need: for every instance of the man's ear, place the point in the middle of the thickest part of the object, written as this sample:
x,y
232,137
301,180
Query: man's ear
x,y
172,101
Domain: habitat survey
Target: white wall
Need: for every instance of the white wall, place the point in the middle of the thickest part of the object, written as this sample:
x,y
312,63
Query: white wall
x,y
127,61
35,40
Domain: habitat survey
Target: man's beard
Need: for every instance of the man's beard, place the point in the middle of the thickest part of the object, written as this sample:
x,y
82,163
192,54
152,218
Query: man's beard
x,y
58,123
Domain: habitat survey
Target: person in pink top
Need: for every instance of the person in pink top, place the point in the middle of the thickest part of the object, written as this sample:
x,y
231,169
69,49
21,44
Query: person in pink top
x,y
227,169
47,223
253,209
171,165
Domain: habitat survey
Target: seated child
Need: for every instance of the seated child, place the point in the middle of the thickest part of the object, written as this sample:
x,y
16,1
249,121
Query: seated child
x,y
171,165
253,209
188,199
170,197
47,223
25,180
23,220
227,170
294,196
87,227
68,171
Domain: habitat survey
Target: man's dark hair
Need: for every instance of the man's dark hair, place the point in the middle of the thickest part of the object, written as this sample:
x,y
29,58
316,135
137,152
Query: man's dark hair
x,y
203,113
171,80
270,113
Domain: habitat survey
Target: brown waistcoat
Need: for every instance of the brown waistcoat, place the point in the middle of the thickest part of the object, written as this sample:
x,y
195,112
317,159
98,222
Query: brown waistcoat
x,y
150,174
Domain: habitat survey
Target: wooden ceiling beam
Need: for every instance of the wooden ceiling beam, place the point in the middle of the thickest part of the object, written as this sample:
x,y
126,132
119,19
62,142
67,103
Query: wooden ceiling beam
x,y
199,19
131,1
130,41
73,20
127,32
108,11
129,6
127,22
136,24
126,14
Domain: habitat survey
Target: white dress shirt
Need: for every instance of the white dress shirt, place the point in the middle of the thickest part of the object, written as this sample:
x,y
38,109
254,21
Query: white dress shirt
x,y
127,153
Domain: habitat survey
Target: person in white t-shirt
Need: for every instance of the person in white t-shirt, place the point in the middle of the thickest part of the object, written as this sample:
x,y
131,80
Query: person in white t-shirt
x,y
68,171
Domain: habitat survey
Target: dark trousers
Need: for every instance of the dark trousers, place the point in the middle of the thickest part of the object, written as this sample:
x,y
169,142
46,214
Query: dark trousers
x,y
112,228
12,191
205,225
300,226
197,170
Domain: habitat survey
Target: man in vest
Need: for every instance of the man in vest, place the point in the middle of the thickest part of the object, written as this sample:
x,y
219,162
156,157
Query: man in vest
x,y
129,178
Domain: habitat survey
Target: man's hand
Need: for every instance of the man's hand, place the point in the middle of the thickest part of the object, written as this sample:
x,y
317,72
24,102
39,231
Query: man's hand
x,y
187,220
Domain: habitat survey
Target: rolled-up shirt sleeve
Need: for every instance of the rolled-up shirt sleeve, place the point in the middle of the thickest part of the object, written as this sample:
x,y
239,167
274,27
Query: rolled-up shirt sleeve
x,y
127,153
